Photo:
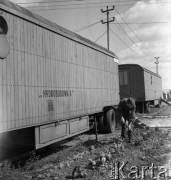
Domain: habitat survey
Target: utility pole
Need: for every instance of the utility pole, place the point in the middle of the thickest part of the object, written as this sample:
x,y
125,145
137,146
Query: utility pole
x,y
108,21
156,62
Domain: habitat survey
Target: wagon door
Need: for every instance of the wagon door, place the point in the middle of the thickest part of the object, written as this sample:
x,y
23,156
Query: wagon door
x,y
124,85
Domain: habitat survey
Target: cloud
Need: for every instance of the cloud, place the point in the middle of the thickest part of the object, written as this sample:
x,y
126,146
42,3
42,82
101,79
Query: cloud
x,y
153,33
27,3
153,39
20,1
151,11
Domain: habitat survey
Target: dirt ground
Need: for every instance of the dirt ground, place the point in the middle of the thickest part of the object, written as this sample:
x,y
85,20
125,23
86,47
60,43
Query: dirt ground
x,y
82,157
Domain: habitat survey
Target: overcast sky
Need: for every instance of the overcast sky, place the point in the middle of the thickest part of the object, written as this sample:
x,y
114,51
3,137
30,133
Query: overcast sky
x,y
141,30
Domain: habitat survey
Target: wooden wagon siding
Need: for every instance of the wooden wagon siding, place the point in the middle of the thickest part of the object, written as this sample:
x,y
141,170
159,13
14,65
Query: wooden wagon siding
x,y
153,86
143,84
43,58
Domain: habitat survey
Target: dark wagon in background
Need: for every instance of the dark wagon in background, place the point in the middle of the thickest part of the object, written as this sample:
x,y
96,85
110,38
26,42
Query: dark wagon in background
x,y
142,84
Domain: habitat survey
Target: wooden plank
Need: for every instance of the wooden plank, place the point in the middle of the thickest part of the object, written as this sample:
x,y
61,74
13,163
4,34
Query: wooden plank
x,y
36,87
40,88
51,44
8,91
1,96
33,89
39,78
39,93
7,83
22,35
62,49
44,87
18,34
32,38
16,82
21,47
26,89
29,78
23,87
4,108
29,37
19,76
40,41
37,36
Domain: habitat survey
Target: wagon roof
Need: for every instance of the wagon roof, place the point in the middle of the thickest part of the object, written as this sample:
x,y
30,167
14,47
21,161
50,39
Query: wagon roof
x,y
52,26
143,68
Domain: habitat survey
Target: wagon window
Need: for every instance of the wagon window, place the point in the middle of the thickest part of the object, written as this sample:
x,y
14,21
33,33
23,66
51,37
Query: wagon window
x,y
3,26
123,78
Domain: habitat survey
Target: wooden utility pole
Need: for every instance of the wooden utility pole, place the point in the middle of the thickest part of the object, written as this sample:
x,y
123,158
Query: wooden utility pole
x,y
108,21
156,62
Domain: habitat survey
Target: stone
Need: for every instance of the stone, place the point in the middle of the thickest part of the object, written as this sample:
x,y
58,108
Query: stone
x,y
55,178
41,176
48,175
92,147
61,165
108,156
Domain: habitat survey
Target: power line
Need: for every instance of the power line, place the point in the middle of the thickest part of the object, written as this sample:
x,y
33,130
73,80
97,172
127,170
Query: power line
x,y
68,6
123,30
43,2
149,52
128,36
100,36
143,23
134,44
48,2
126,44
165,56
85,27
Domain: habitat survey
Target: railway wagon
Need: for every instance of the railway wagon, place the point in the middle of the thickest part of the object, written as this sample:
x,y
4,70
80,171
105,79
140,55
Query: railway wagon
x,y
53,82
145,86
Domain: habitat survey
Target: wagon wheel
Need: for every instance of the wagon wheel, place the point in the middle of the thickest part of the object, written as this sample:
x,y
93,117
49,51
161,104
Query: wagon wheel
x,y
110,120
100,123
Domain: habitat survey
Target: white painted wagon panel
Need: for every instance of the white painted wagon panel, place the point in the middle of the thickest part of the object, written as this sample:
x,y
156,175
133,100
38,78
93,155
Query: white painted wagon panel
x,y
52,131
7,93
39,113
44,87
47,61
1,95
